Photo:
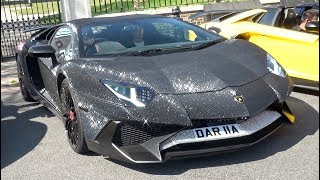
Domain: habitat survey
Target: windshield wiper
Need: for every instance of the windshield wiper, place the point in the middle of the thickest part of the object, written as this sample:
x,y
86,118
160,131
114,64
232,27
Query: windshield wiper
x,y
171,49
149,51
143,52
207,44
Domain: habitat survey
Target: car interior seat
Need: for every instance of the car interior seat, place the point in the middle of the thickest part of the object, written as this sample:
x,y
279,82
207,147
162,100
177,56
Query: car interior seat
x,y
111,33
290,19
108,47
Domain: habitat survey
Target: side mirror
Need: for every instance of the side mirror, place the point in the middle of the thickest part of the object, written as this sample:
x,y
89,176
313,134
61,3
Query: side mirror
x,y
215,30
312,27
43,50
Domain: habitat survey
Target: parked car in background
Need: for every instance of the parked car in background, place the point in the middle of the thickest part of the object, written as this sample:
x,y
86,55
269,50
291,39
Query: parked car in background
x,y
296,51
277,16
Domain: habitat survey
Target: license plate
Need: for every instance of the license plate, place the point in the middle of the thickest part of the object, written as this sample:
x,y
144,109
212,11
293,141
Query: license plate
x,y
218,132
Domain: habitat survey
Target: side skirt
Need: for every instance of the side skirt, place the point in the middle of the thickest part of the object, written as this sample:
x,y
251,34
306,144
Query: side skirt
x,y
43,100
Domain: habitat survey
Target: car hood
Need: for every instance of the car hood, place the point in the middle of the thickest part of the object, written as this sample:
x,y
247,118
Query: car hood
x,y
229,63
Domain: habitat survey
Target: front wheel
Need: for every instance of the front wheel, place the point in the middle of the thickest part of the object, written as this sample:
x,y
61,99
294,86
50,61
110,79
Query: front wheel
x,y
73,125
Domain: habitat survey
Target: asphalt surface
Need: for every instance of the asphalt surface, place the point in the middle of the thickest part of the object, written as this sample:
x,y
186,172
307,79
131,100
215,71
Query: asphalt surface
x,y
34,146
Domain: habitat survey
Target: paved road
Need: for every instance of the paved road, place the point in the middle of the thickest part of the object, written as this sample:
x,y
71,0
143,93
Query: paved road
x,y
34,146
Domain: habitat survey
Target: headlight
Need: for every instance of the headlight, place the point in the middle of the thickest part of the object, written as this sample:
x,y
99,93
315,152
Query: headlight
x,y
130,94
274,67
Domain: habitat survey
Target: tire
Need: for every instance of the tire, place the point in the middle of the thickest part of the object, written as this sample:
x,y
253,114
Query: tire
x,y
24,91
74,127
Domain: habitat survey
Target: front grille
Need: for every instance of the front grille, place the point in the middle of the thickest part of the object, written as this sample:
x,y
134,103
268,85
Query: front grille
x,y
198,123
133,133
231,143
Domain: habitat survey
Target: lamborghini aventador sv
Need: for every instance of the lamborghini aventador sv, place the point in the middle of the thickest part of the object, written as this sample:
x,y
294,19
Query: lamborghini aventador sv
x,y
147,88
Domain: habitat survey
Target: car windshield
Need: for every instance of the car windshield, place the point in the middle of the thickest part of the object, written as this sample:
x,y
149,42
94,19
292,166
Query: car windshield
x,y
141,35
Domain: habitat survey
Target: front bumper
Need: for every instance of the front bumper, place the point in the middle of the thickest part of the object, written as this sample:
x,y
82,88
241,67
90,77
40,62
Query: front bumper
x,y
163,129
182,143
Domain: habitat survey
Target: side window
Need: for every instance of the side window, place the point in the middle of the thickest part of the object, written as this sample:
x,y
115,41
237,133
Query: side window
x,y
268,18
256,18
298,10
61,41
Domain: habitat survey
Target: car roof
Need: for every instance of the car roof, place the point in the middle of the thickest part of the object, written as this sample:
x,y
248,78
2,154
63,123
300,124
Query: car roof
x,y
79,22
294,3
213,12
272,8
308,5
243,15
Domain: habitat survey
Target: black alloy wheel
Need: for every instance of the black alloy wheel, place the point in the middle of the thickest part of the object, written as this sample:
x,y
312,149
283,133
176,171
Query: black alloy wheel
x,y
73,125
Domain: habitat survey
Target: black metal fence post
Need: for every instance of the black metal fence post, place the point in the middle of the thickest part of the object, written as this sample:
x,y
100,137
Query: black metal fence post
x,y
17,16
30,3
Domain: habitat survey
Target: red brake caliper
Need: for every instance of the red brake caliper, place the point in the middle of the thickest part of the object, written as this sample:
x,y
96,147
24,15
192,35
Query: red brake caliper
x,y
71,115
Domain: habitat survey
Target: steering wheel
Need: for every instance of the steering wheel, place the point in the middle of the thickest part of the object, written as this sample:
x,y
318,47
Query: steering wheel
x,y
92,46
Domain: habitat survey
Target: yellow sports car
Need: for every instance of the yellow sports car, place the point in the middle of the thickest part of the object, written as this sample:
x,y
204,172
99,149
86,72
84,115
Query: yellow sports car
x,y
297,52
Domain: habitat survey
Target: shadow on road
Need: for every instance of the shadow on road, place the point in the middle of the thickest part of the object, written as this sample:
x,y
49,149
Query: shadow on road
x,y
307,123
19,135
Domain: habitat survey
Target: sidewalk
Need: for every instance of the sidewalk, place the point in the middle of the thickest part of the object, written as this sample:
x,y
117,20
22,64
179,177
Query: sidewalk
x,y
9,76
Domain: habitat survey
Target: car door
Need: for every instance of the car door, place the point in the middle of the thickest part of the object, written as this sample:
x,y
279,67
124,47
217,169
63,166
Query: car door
x,y
61,42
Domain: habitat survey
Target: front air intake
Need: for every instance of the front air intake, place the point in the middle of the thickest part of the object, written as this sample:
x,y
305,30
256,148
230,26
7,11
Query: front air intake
x,y
133,133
